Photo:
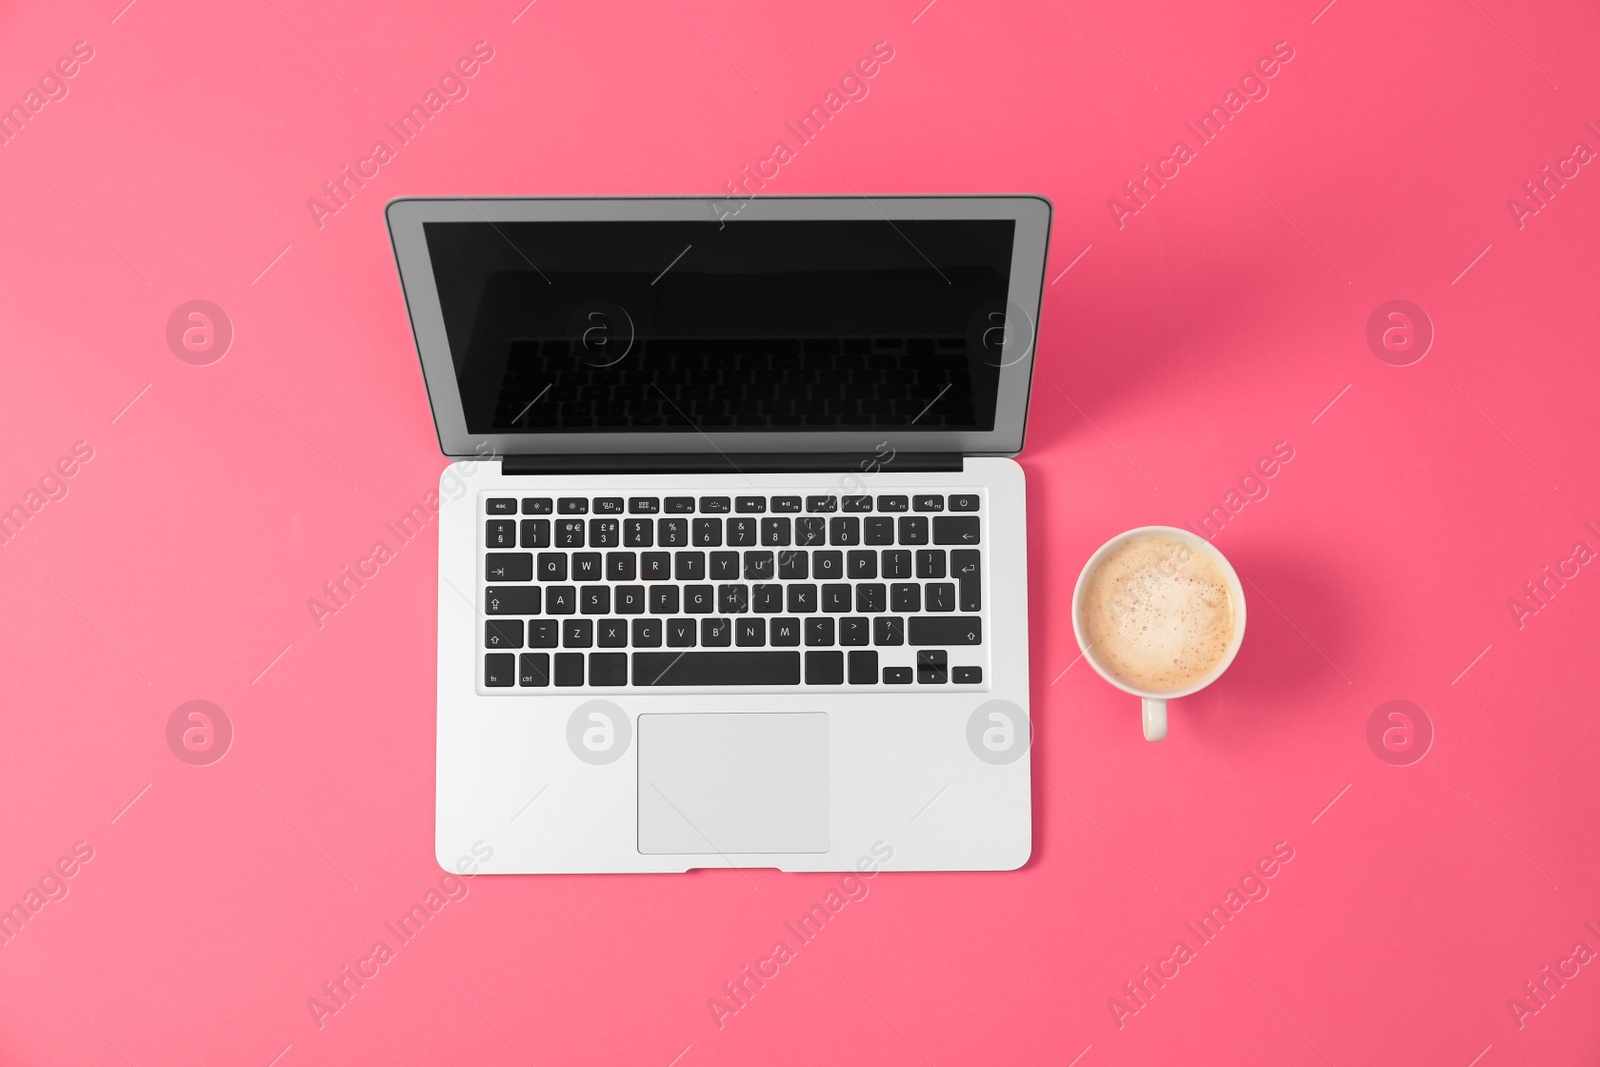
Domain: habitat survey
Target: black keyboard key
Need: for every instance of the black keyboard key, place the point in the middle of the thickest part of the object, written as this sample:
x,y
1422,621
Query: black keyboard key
x,y
630,599
724,566
775,532
716,633
552,566
594,600
967,675
945,630
569,668
499,669
819,632
605,533
927,503
853,630
905,597
787,504
587,567
750,633
500,533
621,566
933,667
646,633
535,533
732,667
638,533
897,676
809,531
862,564
888,630
502,633
707,532
750,505
896,564
967,570
664,600
822,503
690,566
680,505
767,598
955,530
573,505
544,633
794,566
733,599
569,533
608,668
577,633
939,596
672,533
536,505
560,600
891,503
655,567
844,530
871,598
511,600
698,599
608,505
741,532
643,505
786,632
758,566
836,597
533,669
508,566
930,563
713,505
877,530
680,634
502,506
610,633
802,598
913,529
964,503
828,565
857,503
863,668
824,668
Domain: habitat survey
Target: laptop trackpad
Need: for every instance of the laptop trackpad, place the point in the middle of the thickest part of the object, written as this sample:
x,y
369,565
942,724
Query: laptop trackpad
x,y
733,783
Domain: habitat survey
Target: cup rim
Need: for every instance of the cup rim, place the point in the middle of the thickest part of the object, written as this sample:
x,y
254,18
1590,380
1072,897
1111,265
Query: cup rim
x,y
1235,589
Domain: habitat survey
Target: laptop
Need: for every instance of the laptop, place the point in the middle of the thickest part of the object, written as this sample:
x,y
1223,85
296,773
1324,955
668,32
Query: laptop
x,y
733,552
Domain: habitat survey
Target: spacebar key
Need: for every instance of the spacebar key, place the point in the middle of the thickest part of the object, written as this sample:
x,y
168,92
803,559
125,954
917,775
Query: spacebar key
x,y
944,630
716,668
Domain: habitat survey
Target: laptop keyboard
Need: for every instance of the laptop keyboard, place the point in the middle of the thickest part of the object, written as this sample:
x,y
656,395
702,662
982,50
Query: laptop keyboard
x,y
817,590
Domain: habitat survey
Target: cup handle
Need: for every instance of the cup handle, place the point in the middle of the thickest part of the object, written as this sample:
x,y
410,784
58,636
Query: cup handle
x,y
1155,719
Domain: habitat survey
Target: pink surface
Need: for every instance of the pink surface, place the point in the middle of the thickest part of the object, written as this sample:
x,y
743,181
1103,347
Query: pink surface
x,y
1223,317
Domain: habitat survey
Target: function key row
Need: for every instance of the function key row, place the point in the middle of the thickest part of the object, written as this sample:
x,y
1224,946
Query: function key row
x,y
721,505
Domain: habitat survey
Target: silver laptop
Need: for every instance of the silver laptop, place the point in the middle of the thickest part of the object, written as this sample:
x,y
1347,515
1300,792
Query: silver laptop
x,y
732,556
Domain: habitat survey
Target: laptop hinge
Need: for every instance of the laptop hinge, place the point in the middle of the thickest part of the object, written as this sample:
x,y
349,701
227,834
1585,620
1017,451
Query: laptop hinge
x,y
738,463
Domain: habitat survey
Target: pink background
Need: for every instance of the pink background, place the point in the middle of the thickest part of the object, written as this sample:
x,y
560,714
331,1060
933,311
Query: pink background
x,y
1221,319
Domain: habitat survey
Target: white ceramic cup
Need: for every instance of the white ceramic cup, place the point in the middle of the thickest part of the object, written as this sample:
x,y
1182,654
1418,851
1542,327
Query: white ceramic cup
x,y
1155,703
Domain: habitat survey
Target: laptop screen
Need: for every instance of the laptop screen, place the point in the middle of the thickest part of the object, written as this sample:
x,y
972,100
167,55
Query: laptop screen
x,y
742,325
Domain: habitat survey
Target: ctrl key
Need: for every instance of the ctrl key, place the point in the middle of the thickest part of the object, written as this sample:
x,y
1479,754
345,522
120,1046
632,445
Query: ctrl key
x,y
499,670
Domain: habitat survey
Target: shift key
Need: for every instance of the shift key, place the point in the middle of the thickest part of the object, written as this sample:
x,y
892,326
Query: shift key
x,y
944,630
508,566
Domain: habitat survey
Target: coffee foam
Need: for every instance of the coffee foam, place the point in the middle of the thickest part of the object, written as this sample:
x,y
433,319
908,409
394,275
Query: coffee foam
x,y
1157,613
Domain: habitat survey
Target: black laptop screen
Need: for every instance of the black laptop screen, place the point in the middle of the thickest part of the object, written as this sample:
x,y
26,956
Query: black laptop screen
x,y
826,325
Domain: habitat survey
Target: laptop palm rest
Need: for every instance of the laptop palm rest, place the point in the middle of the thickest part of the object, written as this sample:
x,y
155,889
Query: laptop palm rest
x,y
733,783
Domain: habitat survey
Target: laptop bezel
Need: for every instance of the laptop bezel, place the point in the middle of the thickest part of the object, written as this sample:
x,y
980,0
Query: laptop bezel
x,y
406,217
